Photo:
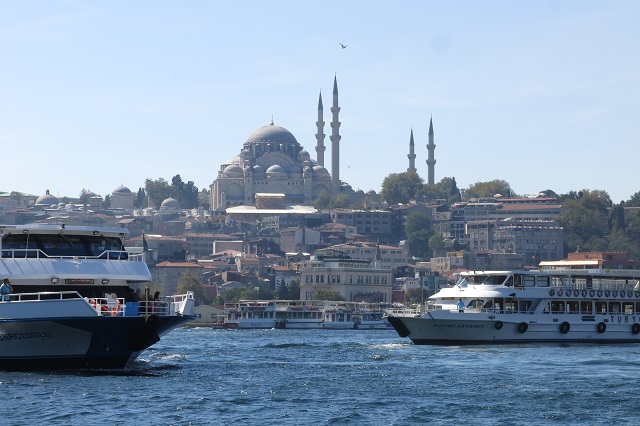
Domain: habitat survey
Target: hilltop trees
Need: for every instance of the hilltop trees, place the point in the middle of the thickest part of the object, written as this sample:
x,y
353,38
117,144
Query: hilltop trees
x,y
159,190
400,188
487,189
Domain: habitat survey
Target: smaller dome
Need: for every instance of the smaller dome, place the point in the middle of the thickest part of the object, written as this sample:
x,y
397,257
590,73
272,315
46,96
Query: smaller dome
x,y
170,204
276,170
371,192
295,170
47,199
303,155
233,170
122,190
320,170
258,170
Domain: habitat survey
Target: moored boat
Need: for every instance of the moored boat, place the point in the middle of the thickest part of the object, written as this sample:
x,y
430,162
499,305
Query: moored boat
x,y
491,307
72,304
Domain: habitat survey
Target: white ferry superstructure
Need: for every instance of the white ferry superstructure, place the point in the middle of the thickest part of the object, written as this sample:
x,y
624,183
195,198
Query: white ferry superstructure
x,y
490,307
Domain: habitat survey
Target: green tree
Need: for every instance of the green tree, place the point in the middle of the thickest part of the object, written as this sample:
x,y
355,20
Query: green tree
x,y
418,243
585,220
488,190
401,187
289,291
204,199
140,196
437,244
157,191
417,221
340,201
323,200
634,200
327,295
188,281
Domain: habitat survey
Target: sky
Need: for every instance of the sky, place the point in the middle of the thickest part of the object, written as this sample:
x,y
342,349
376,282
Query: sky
x,y
542,94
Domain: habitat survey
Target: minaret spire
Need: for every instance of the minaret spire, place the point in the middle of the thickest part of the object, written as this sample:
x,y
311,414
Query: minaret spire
x,y
320,148
335,141
431,147
412,155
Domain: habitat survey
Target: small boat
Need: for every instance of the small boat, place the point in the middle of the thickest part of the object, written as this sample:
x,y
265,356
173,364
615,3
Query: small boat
x,y
340,315
72,304
297,314
492,307
250,314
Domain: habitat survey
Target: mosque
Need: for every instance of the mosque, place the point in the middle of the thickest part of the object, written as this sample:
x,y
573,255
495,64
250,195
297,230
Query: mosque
x,y
272,161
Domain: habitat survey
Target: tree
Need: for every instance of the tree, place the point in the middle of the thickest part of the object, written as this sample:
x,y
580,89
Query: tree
x,y
157,191
140,196
418,243
340,201
107,202
289,291
204,199
585,220
417,221
488,189
323,201
327,295
188,281
400,188
634,201
84,197
437,244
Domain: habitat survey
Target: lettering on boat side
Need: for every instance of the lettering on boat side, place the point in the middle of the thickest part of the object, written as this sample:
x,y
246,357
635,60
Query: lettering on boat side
x,y
20,336
460,325
620,318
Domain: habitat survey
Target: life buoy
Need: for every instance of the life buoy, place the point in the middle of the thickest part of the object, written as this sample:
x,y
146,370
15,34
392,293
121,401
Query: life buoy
x,y
559,292
615,293
498,325
635,328
584,293
607,293
622,293
565,327
552,292
599,293
575,293
116,309
592,293
637,294
523,327
601,327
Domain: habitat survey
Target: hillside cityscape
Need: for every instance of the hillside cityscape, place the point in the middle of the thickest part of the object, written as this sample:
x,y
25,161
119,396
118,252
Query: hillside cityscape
x,y
276,223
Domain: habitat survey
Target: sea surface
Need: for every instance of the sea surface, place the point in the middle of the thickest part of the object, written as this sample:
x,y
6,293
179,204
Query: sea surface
x,y
204,376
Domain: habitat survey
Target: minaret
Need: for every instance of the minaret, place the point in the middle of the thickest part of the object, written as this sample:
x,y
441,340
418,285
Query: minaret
x,y
335,141
412,155
320,135
431,147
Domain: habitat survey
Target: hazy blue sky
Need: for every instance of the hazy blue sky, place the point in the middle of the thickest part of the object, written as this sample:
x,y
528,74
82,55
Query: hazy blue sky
x,y
542,94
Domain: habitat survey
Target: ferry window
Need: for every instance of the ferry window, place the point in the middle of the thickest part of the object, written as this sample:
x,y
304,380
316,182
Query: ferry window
x,y
495,279
638,307
572,307
524,305
614,307
488,304
542,281
517,281
509,305
529,281
557,281
601,307
557,307
509,282
627,307
547,308
585,307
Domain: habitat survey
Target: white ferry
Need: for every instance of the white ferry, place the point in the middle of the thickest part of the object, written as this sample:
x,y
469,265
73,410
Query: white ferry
x,y
71,304
250,314
530,306
340,316
297,314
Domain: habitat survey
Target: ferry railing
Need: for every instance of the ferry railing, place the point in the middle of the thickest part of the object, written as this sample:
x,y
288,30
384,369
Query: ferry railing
x,y
48,295
107,306
39,254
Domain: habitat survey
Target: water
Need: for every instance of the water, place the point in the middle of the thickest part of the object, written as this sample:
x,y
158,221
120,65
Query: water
x,y
297,377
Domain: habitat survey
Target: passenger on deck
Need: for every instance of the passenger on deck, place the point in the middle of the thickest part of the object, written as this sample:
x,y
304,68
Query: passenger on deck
x,y
460,306
5,289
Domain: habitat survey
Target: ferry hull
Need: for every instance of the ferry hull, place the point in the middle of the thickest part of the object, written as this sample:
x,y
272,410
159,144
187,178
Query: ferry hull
x,y
472,331
77,343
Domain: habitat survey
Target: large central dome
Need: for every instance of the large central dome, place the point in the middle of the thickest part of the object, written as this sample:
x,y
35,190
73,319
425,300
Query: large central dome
x,y
273,134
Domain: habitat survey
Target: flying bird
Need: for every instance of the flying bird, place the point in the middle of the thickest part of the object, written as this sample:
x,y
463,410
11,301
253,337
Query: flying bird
x,y
344,46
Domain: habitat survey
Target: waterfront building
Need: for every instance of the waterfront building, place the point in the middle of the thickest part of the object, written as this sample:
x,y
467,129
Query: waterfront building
x,y
354,279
